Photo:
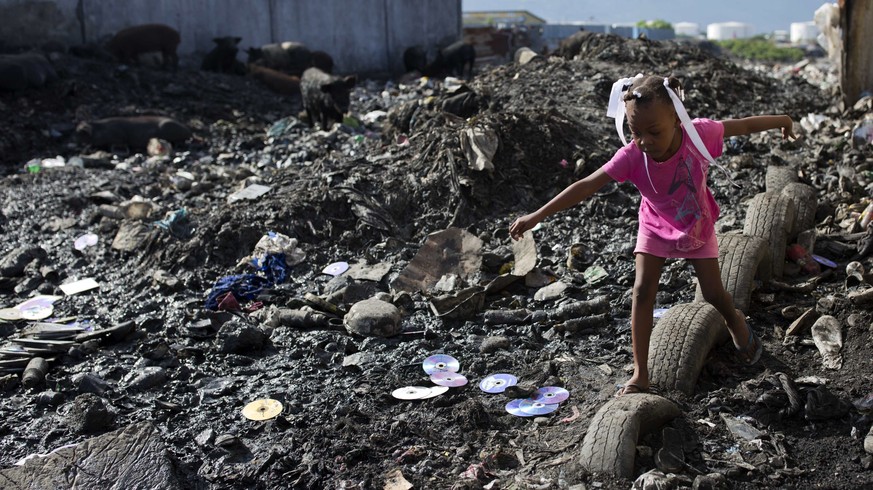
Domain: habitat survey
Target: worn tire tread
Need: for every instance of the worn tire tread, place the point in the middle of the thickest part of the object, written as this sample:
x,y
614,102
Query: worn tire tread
x,y
740,258
680,343
769,216
777,177
805,205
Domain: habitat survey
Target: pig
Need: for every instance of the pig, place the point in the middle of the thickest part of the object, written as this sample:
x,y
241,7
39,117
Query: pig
x,y
275,80
132,132
414,59
322,61
452,60
325,97
26,70
128,44
289,57
222,58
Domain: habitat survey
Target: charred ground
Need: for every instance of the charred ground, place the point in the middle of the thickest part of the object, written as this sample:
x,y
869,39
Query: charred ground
x,y
354,194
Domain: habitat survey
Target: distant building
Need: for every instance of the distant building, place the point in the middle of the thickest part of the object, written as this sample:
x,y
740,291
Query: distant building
x,y
723,31
554,33
803,32
496,35
689,29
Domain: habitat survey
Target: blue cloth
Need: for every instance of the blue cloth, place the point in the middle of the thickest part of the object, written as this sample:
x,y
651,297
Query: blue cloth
x,y
249,286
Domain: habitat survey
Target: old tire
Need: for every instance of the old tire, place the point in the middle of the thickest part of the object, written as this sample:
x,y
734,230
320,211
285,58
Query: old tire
x,y
770,215
611,441
739,258
777,178
680,342
805,204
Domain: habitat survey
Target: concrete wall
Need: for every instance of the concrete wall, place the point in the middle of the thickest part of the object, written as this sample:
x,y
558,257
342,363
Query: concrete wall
x,y
361,35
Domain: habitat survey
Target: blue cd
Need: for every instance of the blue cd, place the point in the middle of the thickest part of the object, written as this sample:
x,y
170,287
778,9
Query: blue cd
x,y
497,383
512,408
824,261
550,394
440,363
531,407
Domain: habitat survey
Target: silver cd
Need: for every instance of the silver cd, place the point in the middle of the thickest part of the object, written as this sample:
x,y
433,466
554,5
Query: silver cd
x,y
336,268
513,409
436,391
531,407
446,378
550,394
497,383
411,393
440,362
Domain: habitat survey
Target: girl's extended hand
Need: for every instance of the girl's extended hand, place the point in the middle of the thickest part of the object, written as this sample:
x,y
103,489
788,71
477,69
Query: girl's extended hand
x,y
521,225
788,130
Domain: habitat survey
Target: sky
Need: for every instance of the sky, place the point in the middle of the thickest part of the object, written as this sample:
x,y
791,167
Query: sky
x,y
765,15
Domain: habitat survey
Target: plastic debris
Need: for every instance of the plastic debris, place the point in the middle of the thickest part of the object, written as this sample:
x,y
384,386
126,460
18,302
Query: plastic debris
x,y
251,192
85,241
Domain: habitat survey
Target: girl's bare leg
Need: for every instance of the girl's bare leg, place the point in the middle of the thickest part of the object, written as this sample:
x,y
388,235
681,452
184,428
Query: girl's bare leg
x,y
709,277
648,273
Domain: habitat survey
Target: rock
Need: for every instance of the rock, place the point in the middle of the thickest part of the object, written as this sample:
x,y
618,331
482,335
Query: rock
x,y
373,317
494,344
133,457
90,383
550,292
146,379
205,437
131,235
89,414
712,481
236,337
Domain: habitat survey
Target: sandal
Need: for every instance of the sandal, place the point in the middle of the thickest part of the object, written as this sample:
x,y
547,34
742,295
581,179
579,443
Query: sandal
x,y
746,354
629,389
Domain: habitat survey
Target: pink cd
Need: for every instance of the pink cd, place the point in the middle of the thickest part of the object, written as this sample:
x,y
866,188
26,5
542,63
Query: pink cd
x,y
446,378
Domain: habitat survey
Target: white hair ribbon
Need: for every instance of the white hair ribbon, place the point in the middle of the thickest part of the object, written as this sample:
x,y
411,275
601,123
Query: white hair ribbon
x,y
616,106
691,130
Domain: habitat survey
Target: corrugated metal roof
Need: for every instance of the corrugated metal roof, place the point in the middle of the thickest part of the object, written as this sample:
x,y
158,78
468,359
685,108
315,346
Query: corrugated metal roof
x,y
494,17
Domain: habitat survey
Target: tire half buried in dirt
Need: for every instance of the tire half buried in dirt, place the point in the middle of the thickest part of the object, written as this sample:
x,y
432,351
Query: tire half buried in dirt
x,y
777,177
805,204
739,258
611,441
770,215
680,342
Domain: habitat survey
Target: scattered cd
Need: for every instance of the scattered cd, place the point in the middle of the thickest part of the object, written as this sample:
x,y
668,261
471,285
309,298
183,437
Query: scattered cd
x,y
440,362
263,409
336,268
418,392
531,407
411,392
550,394
512,408
497,383
445,378
436,391
11,314
37,312
824,261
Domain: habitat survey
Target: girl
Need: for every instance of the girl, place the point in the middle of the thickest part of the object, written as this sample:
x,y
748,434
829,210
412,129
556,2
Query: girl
x,y
667,162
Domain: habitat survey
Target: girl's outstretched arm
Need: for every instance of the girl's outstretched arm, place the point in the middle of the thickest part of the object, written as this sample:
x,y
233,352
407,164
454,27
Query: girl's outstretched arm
x,y
755,124
574,194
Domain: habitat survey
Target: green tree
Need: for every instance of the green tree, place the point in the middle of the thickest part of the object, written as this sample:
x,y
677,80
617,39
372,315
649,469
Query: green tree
x,y
655,24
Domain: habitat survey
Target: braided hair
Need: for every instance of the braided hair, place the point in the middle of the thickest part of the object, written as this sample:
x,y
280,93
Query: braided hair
x,y
651,87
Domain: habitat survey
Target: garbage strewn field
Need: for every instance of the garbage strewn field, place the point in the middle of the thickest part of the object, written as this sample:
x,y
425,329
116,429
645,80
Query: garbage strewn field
x,y
356,253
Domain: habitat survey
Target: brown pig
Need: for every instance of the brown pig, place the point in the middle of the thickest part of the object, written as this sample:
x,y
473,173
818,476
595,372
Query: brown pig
x,y
132,132
275,80
128,44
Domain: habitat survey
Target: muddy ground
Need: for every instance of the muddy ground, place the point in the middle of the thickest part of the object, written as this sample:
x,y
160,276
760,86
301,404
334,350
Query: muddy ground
x,y
354,194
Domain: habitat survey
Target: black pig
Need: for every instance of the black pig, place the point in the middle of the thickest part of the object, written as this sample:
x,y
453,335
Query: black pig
x,y
452,60
222,58
133,132
414,59
322,61
289,57
128,44
325,97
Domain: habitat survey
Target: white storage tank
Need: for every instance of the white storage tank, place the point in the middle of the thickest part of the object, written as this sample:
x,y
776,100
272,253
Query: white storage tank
x,y
723,31
803,32
690,29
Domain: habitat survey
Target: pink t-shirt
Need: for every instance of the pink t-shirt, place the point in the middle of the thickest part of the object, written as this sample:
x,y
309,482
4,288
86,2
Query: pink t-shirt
x,y
677,217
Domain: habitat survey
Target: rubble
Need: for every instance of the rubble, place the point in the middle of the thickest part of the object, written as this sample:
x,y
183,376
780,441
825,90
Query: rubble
x,y
424,236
